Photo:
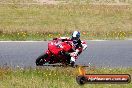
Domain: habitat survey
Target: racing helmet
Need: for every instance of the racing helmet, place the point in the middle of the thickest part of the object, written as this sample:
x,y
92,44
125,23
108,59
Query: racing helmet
x,y
75,36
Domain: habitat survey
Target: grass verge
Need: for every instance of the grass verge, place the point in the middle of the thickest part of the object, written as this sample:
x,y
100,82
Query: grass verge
x,y
54,77
93,21
38,36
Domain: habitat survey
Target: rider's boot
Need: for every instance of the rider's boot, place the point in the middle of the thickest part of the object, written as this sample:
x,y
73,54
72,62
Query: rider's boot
x,y
72,61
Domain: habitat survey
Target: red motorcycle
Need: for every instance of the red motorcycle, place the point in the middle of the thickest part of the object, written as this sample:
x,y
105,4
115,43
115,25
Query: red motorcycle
x,y
58,52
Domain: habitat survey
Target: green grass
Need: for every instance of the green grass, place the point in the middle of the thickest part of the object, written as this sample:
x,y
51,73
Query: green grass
x,y
98,21
55,77
25,36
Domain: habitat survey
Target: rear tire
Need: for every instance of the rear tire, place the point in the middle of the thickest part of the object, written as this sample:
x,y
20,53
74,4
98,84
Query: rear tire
x,y
68,57
41,60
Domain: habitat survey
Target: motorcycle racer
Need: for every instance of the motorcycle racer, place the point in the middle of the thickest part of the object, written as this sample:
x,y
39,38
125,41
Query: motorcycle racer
x,y
77,44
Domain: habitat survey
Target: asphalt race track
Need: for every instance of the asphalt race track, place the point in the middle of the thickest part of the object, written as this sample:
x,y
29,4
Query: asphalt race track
x,y
117,53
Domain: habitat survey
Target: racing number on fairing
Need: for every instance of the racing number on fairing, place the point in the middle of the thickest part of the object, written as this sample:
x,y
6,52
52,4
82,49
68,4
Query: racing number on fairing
x,y
58,45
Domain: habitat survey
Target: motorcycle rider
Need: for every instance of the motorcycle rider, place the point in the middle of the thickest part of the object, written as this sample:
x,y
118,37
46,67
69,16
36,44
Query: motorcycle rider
x,y
78,46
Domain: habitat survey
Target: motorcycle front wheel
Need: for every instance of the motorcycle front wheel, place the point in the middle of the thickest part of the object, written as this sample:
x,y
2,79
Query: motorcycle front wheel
x,y
41,60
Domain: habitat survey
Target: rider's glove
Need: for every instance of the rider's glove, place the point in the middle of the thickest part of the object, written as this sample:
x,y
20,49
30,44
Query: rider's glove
x,y
84,45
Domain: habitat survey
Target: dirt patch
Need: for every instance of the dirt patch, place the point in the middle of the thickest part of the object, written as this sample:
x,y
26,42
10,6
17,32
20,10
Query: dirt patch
x,y
82,2
48,1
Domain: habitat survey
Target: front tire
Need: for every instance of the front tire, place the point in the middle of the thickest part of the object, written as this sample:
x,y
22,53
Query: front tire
x,y
41,60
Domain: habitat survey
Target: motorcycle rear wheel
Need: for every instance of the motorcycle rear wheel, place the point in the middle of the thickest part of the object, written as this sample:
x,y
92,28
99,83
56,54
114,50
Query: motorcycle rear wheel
x,y
41,60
